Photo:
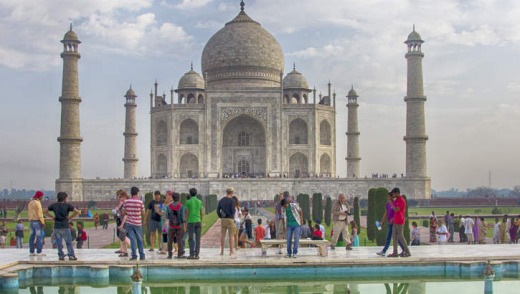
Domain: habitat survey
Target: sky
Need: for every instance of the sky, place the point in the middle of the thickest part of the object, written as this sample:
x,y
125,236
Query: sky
x,y
470,69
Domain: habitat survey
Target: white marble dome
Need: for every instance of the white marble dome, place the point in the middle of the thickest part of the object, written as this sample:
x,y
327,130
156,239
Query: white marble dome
x,y
295,80
243,50
191,80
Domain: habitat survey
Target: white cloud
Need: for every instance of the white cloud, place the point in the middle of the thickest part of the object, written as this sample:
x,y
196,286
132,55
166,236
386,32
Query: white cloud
x,y
191,4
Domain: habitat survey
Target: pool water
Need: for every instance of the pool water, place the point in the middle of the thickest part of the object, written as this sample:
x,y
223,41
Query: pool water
x,y
460,286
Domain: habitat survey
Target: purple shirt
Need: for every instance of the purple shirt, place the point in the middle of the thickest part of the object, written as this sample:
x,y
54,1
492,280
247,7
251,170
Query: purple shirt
x,y
389,211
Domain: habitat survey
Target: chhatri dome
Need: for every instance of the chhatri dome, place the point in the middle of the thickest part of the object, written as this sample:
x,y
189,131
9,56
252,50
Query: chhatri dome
x,y
295,80
243,54
191,80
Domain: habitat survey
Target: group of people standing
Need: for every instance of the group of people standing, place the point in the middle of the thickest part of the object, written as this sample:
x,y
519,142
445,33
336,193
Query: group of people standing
x,y
170,222
61,231
288,224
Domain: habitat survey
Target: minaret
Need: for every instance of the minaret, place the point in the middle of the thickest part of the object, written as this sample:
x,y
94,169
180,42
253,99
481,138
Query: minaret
x,y
352,136
130,134
70,139
415,127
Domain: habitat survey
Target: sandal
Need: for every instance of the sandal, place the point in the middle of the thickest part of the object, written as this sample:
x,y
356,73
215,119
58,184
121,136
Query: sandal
x,y
393,255
123,255
406,254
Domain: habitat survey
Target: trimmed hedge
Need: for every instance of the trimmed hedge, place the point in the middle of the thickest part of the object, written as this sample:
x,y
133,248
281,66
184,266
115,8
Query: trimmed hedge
x,y
211,203
356,212
377,198
303,200
317,207
328,211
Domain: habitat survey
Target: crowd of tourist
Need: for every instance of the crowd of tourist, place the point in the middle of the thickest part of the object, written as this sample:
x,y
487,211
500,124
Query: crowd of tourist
x,y
173,225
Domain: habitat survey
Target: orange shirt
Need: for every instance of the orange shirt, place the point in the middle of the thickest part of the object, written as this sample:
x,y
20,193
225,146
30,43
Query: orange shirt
x,y
259,233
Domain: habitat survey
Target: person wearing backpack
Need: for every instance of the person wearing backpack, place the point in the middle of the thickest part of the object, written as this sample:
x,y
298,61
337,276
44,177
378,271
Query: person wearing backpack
x,y
177,225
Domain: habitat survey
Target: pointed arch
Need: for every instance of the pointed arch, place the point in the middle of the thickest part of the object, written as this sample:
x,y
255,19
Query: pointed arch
x,y
200,99
298,131
161,138
189,132
162,166
189,166
298,165
325,164
325,133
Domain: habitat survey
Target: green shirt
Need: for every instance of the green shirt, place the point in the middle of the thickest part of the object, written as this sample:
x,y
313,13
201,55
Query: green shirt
x,y
194,205
291,221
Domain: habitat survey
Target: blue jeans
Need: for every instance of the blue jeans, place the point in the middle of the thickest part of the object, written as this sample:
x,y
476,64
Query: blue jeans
x,y
36,233
64,234
19,242
389,238
135,234
194,238
293,231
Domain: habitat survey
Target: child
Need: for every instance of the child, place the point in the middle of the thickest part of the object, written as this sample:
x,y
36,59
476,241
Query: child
x,y
316,234
355,237
442,231
82,235
268,230
416,235
259,233
3,235
19,234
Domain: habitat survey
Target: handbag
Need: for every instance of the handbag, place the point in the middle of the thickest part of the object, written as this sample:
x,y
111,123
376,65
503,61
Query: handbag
x,y
121,234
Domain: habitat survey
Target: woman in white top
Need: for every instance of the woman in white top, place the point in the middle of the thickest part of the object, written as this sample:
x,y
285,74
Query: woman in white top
x,y
238,218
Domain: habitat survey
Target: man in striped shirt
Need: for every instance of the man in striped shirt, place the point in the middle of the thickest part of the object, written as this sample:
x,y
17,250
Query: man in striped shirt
x,y
133,209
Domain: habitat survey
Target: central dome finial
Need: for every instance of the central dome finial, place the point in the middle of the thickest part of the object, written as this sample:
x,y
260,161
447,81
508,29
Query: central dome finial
x,y
242,4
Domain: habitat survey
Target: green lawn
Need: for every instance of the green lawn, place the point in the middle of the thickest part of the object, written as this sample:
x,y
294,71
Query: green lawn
x,y
440,211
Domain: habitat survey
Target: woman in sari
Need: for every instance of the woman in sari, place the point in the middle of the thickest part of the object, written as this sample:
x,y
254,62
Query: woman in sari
x,y
504,237
512,230
433,228
476,236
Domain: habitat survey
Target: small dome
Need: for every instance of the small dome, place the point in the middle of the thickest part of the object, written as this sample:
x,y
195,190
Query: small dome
x,y
295,79
414,37
70,35
191,80
352,93
130,93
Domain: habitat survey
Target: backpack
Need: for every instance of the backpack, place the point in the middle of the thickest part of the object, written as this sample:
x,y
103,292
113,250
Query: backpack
x,y
174,218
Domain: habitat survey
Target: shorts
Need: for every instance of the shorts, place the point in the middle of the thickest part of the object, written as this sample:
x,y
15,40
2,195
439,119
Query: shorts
x,y
155,226
2,239
228,224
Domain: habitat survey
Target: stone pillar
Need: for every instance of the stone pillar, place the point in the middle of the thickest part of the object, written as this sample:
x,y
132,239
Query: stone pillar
x,y
352,158
415,126
130,134
69,180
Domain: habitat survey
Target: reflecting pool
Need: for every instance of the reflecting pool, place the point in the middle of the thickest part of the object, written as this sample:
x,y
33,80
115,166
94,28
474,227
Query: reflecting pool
x,y
415,286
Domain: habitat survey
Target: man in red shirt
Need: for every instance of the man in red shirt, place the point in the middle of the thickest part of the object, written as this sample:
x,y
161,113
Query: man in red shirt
x,y
259,233
399,208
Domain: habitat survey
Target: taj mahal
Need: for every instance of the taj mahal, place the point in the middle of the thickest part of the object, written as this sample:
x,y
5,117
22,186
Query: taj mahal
x,y
242,122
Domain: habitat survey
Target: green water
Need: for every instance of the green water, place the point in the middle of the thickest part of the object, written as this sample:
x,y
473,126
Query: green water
x,y
292,287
